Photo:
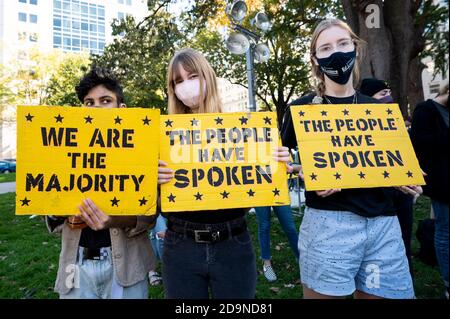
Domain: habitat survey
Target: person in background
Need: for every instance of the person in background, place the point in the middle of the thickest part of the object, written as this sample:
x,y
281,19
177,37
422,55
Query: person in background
x,y
284,215
429,135
102,256
403,203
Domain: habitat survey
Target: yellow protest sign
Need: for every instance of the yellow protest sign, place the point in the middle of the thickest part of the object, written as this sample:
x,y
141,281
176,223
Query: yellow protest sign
x,y
222,161
353,146
67,154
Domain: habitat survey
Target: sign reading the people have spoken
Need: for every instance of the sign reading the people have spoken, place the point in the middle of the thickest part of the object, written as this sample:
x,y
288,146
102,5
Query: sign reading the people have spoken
x,y
67,154
222,161
354,146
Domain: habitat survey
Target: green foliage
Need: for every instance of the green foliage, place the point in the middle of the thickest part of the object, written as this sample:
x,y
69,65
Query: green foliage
x,y
61,86
140,53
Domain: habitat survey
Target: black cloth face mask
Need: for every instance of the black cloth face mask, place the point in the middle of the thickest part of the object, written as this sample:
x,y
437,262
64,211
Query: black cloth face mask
x,y
338,66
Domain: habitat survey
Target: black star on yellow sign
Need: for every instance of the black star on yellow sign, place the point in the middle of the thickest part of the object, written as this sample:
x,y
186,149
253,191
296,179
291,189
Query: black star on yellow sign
x,y
368,112
313,177
29,117
362,175
324,113
346,112
198,196
251,193
88,119
169,123
224,194
194,122
386,174
218,120
410,174
59,118
146,121
389,111
301,113
142,201
267,120
276,192
171,198
337,176
117,120
243,120
25,201
115,202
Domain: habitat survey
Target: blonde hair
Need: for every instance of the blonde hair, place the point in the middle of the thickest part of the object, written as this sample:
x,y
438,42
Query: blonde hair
x,y
317,73
193,62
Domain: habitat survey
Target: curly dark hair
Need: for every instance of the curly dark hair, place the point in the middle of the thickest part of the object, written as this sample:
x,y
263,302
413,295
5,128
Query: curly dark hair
x,y
99,76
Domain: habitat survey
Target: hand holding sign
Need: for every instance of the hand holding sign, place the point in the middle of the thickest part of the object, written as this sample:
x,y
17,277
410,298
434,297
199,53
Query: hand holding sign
x,y
211,161
352,146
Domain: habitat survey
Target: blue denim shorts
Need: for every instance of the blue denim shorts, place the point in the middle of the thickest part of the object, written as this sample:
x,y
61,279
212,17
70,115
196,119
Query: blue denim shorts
x,y
341,252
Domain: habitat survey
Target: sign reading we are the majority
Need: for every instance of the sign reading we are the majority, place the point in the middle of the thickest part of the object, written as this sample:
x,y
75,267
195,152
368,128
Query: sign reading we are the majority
x,y
354,146
222,161
67,154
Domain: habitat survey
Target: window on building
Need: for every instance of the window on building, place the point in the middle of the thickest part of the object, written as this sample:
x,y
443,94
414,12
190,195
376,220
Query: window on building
x,y
57,22
84,8
66,6
57,4
34,37
23,1
93,28
33,18
84,26
34,2
101,12
129,3
120,1
56,40
85,43
120,15
22,17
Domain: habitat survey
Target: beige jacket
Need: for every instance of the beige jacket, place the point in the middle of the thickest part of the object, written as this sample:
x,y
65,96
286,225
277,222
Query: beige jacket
x,y
132,254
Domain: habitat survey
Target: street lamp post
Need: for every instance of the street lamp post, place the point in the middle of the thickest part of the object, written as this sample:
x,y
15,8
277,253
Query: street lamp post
x,y
244,41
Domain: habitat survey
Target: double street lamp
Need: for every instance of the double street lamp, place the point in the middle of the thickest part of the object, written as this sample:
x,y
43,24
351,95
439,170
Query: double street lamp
x,y
242,40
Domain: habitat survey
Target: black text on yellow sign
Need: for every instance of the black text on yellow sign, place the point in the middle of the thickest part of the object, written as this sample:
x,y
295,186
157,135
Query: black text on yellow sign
x,y
67,154
354,146
222,161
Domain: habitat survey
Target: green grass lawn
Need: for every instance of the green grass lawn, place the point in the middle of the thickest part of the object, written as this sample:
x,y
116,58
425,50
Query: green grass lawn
x,y
29,259
11,177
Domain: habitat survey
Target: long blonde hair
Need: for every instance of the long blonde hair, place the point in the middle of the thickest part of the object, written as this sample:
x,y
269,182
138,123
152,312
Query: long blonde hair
x,y
317,73
193,62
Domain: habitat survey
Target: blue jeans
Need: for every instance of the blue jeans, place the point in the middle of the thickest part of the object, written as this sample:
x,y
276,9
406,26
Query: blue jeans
x,y
226,267
441,237
284,214
158,243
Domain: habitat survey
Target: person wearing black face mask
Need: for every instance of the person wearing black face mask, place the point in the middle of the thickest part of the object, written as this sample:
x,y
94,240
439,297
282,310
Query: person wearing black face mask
x,y
403,203
335,251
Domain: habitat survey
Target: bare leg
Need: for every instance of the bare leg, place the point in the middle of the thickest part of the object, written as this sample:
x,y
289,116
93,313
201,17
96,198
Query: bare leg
x,y
311,294
362,295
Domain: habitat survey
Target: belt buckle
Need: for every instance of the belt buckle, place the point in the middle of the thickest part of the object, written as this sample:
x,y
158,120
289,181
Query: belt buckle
x,y
215,236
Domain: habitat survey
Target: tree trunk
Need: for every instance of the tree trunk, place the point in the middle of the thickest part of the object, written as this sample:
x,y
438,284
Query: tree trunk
x,y
393,48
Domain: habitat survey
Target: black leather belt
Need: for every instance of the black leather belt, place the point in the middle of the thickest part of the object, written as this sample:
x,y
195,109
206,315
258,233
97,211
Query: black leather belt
x,y
210,233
